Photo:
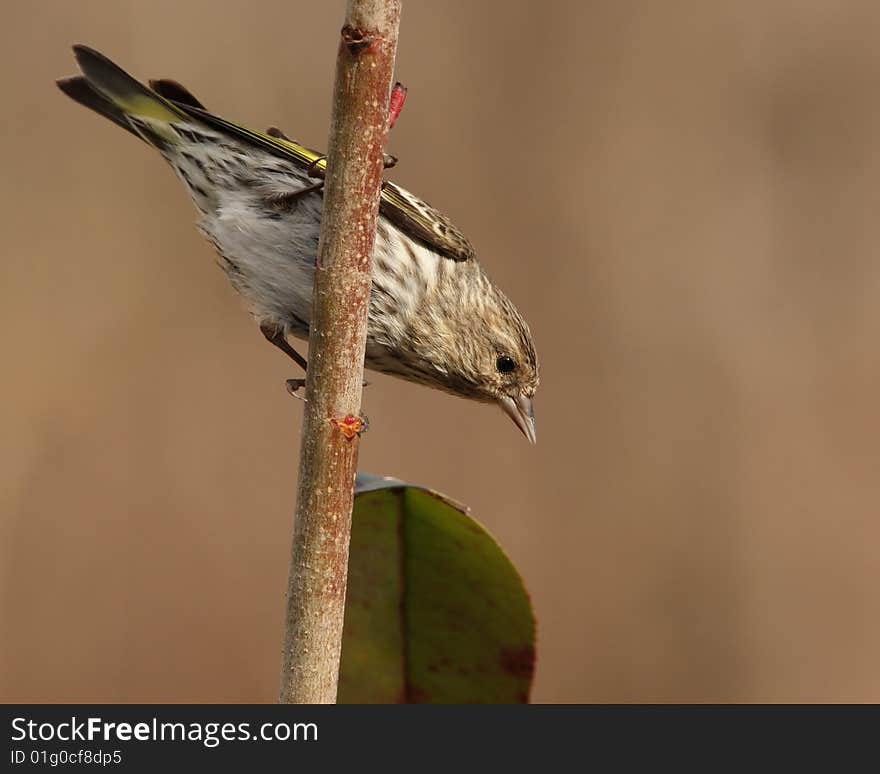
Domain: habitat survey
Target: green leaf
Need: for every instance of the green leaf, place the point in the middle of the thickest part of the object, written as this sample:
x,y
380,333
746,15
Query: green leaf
x,y
435,611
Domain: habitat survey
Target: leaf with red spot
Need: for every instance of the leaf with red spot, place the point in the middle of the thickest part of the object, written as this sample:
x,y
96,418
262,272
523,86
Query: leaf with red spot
x,y
435,611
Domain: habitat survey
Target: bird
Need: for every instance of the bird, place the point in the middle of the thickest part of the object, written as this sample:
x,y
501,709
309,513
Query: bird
x,y
435,317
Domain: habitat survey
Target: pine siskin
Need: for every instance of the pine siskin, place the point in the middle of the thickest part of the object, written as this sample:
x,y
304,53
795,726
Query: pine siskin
x,y
435,318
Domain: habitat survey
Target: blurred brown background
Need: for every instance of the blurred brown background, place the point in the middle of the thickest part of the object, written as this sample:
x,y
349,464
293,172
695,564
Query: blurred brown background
x,y
682,199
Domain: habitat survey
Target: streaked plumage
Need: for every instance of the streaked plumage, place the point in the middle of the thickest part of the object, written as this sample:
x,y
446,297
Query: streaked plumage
x,y
435,317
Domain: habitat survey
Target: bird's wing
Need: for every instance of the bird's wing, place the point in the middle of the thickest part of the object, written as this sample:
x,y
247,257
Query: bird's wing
x,y
277,146
421,221
410,214
109,90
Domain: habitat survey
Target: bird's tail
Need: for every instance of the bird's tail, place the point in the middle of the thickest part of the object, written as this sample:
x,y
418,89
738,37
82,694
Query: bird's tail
x,y
107,89
165,113
195,142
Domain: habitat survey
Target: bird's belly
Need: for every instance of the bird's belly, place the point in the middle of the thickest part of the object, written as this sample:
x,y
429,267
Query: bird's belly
x,y
270,257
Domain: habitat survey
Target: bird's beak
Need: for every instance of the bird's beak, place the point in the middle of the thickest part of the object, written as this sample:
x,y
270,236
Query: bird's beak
x,y
520,410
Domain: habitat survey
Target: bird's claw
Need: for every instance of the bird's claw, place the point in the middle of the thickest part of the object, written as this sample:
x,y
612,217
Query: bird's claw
x,y
313,170
293,387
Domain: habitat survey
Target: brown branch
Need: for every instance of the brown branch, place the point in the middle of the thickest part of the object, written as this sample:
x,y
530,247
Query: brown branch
x,y
328,463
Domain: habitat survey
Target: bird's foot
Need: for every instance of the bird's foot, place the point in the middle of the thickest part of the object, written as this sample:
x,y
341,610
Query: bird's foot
x,y
297,388
313,170
294,386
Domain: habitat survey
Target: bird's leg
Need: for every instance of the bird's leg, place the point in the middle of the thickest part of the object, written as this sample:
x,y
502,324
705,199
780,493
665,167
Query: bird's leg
x,y
283,200
294,386
275,335
313,170
398,95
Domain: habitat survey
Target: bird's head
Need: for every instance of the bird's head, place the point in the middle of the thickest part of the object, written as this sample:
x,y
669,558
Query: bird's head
x,y
474,343
504,364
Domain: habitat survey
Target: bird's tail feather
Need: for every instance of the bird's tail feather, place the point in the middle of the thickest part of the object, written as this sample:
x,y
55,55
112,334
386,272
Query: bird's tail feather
x,y
77,88
107,89
150,112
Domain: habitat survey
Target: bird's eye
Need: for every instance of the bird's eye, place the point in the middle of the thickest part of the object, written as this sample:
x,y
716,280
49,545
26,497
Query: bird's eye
x,y
505,364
